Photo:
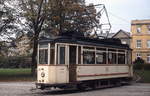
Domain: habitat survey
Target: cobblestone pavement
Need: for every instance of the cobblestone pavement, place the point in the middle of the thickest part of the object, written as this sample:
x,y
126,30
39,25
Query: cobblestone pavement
x,y
28,89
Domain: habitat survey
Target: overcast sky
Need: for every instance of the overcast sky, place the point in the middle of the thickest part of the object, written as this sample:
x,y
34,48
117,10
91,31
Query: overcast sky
x,y
121,12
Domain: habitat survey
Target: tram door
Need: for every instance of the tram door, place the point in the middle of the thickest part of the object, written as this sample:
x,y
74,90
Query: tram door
x,y
72,63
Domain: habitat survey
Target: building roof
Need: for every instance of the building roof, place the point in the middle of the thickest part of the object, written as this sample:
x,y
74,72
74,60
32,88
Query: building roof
x,y
122,31
136,22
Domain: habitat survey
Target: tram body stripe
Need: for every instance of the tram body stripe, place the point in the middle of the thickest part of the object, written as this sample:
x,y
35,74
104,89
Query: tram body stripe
x,y
103,74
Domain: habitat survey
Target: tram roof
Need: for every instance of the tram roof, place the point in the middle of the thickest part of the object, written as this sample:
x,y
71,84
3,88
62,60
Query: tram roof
x,y
109,42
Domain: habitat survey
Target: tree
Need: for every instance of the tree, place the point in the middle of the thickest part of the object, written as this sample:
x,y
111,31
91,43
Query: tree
x,y
68,15
3,48
7,25
55,16
7,19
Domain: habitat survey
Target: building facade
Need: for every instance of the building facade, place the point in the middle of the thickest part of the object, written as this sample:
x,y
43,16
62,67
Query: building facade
x,y
140,39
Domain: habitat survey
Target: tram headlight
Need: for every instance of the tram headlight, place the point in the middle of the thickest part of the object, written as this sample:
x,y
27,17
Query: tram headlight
x,y
42,74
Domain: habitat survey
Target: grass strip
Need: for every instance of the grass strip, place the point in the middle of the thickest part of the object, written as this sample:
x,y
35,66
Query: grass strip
x,y
145,75
16,75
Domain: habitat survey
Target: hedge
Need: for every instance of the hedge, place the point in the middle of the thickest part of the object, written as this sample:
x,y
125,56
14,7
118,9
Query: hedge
x,y
139,64
147,66
15,62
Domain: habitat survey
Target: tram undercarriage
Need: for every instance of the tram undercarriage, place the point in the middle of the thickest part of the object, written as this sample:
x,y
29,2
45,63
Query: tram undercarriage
x,y
89,84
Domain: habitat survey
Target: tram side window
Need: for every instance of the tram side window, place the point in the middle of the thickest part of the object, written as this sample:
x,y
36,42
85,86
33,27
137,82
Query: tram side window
x,y
121,58
88,57
101,58
43,56
52,53
111,58
62,55
79,55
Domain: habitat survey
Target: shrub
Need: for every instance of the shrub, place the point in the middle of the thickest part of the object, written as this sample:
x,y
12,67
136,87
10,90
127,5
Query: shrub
x,y
138,64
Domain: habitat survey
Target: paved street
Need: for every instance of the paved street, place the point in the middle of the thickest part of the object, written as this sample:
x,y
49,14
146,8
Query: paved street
x,y
28,89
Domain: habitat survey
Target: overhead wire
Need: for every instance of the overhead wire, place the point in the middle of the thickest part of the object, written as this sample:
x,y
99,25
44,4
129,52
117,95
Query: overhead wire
x,y
118,17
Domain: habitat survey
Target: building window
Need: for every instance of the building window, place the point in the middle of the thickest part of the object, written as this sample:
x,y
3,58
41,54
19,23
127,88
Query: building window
x,y
148,58
148,43
148,27
138,29
138,55
138,44
124,42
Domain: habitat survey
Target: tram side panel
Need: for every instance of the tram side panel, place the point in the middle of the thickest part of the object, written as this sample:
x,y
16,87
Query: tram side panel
x,y
101,72
52,74
43,74
62,74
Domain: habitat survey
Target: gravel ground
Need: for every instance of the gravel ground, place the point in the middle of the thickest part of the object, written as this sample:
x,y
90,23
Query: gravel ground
x,y
28,89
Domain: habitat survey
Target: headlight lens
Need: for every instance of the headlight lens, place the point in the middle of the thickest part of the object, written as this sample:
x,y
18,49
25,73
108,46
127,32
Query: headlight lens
x,y
42,74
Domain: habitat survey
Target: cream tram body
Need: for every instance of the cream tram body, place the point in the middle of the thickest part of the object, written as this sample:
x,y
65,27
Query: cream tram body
x,y
63,61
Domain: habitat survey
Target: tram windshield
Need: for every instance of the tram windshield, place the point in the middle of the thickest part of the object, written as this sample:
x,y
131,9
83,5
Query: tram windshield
x,y
43,54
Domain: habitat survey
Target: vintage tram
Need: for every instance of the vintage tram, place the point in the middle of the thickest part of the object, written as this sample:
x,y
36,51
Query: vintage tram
x,y
67,61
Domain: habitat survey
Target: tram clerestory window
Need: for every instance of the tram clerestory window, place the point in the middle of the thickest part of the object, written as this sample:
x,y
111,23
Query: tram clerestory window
x,y
88,57
43,56
121,58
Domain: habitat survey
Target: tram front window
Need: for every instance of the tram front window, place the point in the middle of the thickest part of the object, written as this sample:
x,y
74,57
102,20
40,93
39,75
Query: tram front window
x,y
43,56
